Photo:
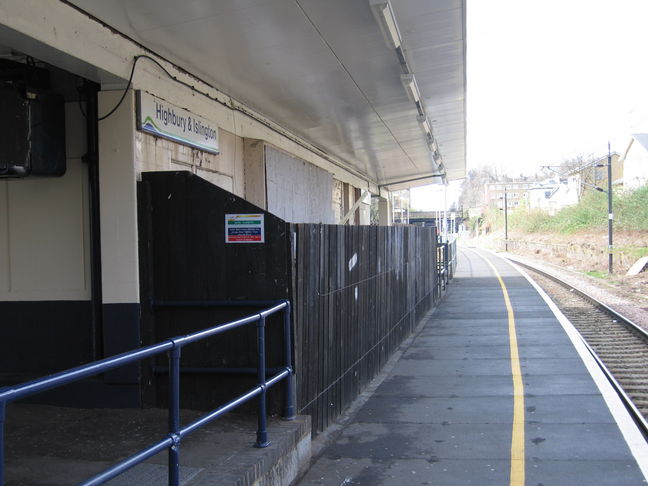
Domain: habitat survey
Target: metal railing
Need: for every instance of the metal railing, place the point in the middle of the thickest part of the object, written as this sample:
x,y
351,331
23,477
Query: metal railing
x,y
176,432
442,266
446,262
452,257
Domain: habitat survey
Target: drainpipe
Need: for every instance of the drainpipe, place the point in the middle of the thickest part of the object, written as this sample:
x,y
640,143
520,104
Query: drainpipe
x,y
92,159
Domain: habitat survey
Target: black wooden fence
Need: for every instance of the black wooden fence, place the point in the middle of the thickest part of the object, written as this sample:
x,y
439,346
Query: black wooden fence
x,y
356,291
359,291
187,268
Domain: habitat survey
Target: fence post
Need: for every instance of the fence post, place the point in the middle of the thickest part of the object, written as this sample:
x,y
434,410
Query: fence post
x,y
445,262
435,265
289,398
445,265
262,432
174,415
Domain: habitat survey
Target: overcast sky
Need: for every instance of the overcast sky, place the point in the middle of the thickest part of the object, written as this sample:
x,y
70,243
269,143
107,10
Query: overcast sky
x,y
549,80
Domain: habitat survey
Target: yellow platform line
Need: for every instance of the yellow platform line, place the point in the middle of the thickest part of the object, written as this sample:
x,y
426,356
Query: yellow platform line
x,y
517,436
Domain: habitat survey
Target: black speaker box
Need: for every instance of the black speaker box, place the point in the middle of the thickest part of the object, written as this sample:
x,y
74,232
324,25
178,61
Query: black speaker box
x,y
32,133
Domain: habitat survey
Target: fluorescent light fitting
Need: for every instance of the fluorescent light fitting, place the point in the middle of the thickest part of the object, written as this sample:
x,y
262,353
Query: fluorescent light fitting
x,y
385,17
409,83
437,164
425,124
433,146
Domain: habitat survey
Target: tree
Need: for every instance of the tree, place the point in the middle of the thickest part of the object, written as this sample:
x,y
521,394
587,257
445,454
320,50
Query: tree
x,y
472,191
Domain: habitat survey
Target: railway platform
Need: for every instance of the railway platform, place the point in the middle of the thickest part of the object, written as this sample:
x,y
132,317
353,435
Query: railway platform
x,y
494,389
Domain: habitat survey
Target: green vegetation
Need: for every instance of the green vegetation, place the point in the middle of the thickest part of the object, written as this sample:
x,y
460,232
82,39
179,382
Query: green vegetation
x,y
597,274
634,210
630,213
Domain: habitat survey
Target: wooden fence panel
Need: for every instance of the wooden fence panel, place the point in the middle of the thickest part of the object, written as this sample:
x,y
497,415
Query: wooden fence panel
x,y
359,292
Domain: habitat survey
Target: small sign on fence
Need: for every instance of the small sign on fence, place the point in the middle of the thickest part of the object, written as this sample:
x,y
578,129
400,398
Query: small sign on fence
x,y
244,228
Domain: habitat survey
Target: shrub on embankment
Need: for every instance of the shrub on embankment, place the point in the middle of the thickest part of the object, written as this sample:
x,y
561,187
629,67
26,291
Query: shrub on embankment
x,y
577,235
630,214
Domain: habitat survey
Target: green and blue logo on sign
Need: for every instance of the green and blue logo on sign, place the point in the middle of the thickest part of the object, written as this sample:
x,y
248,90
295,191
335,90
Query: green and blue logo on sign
x,y
165,120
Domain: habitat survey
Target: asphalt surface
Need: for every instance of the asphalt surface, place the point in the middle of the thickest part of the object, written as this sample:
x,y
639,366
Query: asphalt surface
x,y
444,413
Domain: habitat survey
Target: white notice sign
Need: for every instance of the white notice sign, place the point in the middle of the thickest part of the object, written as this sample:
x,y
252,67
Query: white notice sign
x,y
244,228
166,120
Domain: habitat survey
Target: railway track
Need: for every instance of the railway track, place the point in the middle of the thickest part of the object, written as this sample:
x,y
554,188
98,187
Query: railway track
x,y
619,345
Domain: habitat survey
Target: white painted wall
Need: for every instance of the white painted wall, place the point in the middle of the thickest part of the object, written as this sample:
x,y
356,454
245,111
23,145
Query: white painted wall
x,y
44,234
635,165
118,195
224,170
560,195
298,191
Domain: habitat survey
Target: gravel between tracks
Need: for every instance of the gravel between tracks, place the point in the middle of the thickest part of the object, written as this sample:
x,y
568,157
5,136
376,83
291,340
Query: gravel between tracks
x,y
617,298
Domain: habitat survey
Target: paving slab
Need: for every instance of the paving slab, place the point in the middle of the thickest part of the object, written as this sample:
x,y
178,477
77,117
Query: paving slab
x,y
583,473
410,472
567,409
561,385
456,367
415,386
494,351
426,410
553,366
422,441
425,341
555,442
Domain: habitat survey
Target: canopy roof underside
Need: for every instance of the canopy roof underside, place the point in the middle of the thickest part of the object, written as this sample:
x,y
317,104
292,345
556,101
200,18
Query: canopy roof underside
x,y
323,69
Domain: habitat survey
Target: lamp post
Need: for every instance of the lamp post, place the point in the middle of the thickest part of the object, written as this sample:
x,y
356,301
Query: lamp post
x,y
610,213
505,220
505,209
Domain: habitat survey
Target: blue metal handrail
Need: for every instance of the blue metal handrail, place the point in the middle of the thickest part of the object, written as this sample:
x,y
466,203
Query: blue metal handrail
x,y
442,265
176,433
452,259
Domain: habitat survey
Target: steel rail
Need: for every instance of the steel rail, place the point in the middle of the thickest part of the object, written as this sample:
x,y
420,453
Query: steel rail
x,y
624,320
632,409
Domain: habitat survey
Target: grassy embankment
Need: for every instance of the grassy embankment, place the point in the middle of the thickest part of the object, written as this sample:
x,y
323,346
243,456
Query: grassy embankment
x,y
579,233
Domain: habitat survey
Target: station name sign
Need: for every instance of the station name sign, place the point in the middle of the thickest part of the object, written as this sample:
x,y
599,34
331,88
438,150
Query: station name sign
x,y
163,119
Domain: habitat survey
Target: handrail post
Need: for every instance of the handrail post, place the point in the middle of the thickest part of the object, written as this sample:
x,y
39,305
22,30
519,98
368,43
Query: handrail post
x,y
174,415
445,262
435,266
262,431
289,399
3,414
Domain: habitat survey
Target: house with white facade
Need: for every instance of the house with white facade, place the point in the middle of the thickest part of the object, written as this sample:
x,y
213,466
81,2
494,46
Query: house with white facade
x,y
552,195
635,157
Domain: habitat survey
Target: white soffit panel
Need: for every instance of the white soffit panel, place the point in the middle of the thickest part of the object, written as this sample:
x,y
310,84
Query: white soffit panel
x,y
322,69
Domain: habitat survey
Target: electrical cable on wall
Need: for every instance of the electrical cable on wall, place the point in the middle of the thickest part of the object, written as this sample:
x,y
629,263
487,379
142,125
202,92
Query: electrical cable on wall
x,y
230,106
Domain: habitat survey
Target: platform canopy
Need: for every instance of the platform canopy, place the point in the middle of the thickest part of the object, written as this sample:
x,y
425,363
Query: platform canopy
x,y
345,75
